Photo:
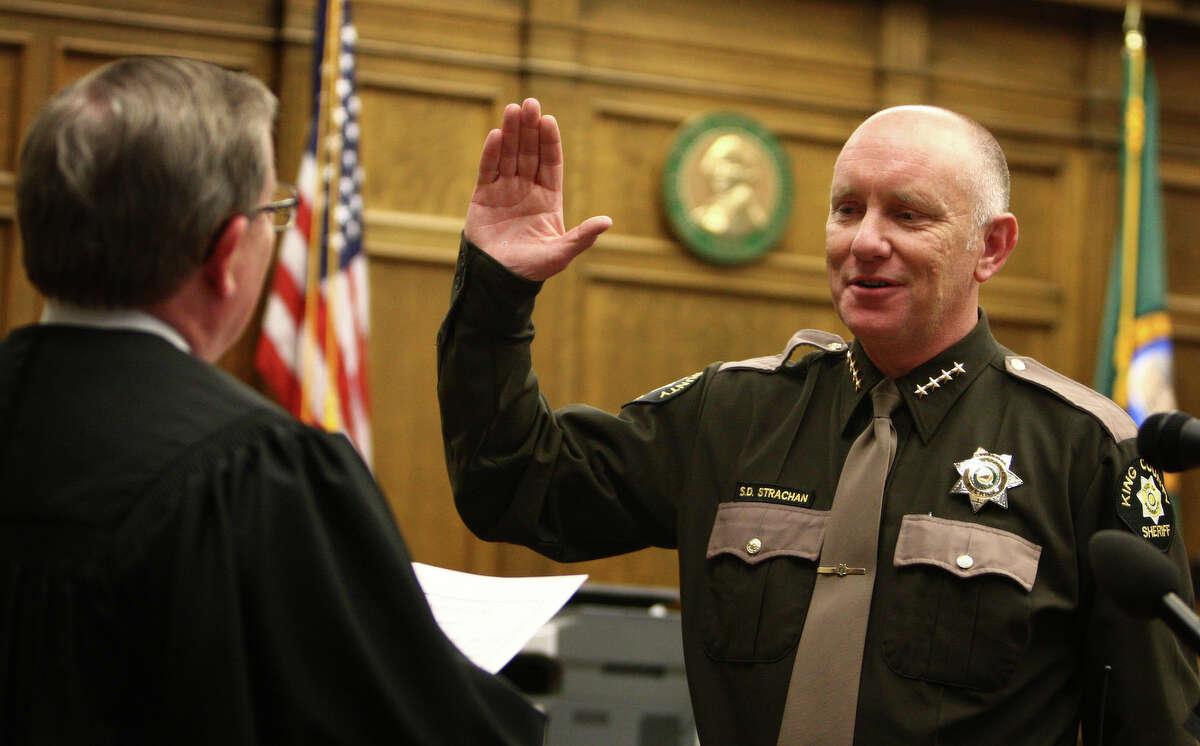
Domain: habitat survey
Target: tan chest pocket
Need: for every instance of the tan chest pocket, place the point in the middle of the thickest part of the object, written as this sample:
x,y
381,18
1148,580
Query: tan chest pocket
x,y
761,562
959,609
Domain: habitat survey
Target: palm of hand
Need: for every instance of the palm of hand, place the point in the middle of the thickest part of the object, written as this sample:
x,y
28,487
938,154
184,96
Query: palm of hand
x,y
515,217
516,212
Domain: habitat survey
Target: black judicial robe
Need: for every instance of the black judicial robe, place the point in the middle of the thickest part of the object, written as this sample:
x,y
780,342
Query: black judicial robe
x,y
182,562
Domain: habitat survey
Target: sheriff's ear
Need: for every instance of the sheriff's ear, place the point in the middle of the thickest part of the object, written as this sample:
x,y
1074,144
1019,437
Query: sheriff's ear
x,y
218,267
999,238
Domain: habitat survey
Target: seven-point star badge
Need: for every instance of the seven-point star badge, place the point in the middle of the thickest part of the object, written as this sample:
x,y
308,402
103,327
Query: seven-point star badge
x,y
1151,500
986,477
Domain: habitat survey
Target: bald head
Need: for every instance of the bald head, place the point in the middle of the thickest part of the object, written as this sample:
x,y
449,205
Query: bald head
x,y
985,169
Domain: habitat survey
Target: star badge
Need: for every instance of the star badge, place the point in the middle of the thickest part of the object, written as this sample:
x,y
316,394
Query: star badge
x,y
986,477
1151,500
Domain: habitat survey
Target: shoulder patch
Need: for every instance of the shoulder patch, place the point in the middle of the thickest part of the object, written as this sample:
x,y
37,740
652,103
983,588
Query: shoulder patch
x,y
1116,420
1144,505
826,341
671,390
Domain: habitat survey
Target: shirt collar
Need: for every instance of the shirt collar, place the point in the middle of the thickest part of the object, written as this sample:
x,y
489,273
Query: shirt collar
x,y
58,312
930,390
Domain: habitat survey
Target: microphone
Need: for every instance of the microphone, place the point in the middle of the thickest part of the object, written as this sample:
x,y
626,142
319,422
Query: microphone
x,y
1142,581
1170,441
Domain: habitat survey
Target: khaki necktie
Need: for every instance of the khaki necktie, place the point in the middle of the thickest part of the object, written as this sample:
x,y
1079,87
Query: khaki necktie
x,y
822,698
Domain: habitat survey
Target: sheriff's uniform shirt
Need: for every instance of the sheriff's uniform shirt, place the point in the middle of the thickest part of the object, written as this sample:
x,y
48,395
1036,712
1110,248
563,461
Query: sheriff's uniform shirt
x,y
985,626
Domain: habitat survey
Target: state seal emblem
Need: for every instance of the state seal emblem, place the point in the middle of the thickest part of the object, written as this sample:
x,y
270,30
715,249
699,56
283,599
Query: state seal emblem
x,y
727,188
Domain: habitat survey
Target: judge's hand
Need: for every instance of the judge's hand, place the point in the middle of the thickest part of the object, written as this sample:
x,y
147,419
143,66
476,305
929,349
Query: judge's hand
x,y
516,212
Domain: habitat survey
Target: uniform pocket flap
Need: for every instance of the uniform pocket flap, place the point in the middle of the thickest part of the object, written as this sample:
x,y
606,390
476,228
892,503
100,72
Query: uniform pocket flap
x,y
754,532
966,549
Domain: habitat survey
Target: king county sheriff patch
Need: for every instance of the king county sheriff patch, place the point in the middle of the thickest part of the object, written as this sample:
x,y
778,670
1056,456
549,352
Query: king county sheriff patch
x,y
1144,505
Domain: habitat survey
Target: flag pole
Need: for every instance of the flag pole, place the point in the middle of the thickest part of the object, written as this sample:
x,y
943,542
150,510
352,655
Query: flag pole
x,y
312,289
1135,139
332,420
318,300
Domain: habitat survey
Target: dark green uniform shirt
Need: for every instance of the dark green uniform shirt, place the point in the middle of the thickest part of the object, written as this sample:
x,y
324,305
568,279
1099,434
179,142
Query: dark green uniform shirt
x,y
1007,646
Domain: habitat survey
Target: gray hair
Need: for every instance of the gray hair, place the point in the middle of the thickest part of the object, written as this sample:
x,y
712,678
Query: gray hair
x,y
992,186
127,175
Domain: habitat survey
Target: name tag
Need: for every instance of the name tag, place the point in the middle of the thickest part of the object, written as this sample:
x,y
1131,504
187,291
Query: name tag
x,y
773,493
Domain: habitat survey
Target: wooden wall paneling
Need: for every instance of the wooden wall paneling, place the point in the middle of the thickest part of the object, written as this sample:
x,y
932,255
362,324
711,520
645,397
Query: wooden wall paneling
x,y
744,52
14,86
647,254
1181,193
904,46
1092,256
408,300
18,301
632,135
1181,205
1030,290
77,56
759,43
1102,83
222,18
1011,67
1175,53
460,27
22,304
1096,207
812,151
420,143
1072,263
629,145
1029,301
1025,44
1181,187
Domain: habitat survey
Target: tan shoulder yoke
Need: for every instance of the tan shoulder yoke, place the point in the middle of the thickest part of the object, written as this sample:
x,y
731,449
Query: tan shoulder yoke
x,y
826,341
1116,420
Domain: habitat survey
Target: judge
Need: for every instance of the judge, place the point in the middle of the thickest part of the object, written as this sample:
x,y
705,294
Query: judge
x,y
181,561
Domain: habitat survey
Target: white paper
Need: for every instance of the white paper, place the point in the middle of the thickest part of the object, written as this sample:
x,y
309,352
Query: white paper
x,y
490,619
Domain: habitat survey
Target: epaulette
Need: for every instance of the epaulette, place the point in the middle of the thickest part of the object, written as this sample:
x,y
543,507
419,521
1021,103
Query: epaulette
x,y
1116,420
813,337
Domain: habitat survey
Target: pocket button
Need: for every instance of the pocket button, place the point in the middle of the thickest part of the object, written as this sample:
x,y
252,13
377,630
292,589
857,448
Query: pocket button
x,y
753,546
965,561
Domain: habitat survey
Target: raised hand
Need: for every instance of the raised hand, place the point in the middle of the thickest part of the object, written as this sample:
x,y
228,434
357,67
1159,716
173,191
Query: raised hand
x,y
516,212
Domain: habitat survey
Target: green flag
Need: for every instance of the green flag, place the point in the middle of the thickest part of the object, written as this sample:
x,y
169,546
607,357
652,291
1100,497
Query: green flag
x,y
1134,363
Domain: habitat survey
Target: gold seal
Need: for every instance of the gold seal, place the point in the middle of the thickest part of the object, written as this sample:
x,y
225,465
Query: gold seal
x,y
727,187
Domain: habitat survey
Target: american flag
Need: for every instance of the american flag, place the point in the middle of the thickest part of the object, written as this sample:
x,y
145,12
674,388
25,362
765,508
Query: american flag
x,y
313,348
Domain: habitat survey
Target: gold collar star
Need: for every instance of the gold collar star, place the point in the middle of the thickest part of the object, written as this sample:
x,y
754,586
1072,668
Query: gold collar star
x,y
986,477
936,383
854,371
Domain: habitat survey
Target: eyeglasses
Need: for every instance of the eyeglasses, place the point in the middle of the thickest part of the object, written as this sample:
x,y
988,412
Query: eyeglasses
x,y
282,208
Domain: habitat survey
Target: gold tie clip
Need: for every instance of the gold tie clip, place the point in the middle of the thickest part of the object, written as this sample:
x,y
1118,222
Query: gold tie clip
x,y
841,570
